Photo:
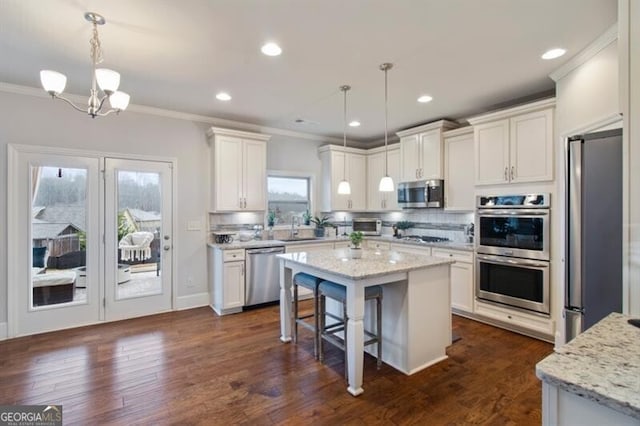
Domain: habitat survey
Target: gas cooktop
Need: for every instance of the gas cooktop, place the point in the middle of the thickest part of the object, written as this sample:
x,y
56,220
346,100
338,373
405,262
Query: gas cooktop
x,y
424,239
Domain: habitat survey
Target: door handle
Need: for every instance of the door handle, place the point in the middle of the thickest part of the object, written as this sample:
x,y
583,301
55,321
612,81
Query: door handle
x,y
513,172
167,247
506,171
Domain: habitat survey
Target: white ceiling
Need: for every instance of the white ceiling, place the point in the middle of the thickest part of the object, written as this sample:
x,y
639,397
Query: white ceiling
x,y
470,55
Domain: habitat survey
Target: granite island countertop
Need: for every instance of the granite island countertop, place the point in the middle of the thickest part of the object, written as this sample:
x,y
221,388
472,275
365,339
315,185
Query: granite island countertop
x,y
602,364
372,264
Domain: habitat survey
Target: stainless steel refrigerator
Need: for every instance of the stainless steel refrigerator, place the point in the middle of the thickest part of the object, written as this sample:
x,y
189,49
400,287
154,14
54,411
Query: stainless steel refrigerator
x,y
594,229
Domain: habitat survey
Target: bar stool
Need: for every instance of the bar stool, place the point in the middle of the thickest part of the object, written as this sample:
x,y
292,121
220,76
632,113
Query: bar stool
x,y
329,332
311,283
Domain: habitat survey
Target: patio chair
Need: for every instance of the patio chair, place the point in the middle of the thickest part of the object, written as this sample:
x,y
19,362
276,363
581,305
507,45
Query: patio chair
x,y
136,246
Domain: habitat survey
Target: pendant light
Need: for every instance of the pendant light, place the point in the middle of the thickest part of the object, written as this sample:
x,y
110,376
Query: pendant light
x,y
386,183
344,187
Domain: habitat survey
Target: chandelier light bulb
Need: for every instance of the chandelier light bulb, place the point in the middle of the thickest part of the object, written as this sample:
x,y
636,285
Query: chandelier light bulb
x,y
108,80
119,100
53,81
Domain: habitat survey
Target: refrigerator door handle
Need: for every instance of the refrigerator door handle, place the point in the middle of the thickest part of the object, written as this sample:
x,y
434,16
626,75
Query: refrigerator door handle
x,y
573,324
573,289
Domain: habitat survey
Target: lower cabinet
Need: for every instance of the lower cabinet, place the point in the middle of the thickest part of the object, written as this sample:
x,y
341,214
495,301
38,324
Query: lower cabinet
x,y
531,324
226,280
462,293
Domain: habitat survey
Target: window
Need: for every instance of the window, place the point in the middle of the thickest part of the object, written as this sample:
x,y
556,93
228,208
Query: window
x,y
288,197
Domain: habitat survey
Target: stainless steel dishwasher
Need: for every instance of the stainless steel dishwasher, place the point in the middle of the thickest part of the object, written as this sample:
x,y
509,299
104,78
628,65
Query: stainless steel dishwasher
x,y
263,275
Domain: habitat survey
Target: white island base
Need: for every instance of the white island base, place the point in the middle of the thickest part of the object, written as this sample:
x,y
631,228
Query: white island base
x,y
416,313
416,320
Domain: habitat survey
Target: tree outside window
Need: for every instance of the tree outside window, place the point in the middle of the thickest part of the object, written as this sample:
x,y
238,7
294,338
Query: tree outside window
x,y
288,197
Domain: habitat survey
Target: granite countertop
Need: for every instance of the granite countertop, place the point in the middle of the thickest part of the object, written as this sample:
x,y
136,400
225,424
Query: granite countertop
x,y
602,364
373,262
273,243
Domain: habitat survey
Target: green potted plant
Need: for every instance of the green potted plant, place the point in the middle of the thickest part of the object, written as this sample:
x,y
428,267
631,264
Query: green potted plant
x,y
404,225
356,240
306,217
271,218
320,223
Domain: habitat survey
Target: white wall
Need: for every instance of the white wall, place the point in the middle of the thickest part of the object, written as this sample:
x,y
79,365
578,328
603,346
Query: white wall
x,y
586,98
42,121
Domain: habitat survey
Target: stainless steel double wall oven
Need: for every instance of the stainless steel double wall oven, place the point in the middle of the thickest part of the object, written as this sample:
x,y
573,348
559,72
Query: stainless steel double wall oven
x,y
512,245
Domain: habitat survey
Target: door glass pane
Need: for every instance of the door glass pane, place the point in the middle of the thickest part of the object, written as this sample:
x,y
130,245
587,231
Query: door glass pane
x,y
58,235
139,234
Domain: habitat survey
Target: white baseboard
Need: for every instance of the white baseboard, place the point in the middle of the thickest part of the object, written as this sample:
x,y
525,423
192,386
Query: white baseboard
x,y
3,331
192,301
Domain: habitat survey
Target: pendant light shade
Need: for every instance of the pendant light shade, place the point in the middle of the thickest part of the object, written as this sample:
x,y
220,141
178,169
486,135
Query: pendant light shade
x,y
386,183
344,188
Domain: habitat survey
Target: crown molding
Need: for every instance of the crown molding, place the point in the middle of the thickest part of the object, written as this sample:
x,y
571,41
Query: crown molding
x,y
237,133
462,131
587,53
510,112
166,113
440,124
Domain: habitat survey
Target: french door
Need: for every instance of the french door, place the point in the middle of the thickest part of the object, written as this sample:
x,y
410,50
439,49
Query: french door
x,y
138,238
89,239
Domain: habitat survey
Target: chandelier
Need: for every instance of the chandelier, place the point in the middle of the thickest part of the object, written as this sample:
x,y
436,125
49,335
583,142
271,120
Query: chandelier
x,y
107,80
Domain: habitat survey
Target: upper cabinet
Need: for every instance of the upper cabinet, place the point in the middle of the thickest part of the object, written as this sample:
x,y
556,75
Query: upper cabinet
x,y
376,200
334,170
239,170
421,151
514,145
459,170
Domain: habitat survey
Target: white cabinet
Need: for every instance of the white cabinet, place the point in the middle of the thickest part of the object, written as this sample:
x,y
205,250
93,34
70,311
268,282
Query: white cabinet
x,y
421,151
239,170
462,289
459,170
376,200
226,280
514,145
334,170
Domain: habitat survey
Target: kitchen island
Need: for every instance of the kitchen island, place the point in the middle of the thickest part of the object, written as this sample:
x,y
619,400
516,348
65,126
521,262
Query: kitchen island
x,y
416,307
595,378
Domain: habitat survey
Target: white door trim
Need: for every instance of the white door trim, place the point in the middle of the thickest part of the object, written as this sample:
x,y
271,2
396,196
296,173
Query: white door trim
x,y
13,150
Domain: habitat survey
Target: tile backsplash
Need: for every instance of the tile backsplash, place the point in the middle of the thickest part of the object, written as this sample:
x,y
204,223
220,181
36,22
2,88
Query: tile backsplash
x,y
432,222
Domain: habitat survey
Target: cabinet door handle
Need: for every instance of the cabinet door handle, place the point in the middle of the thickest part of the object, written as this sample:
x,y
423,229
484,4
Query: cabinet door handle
x,y
513,172
421,172
417,174
506,173
240,202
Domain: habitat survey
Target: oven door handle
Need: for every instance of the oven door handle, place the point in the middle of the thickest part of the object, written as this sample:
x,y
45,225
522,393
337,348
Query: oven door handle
x,y
513,212
512,261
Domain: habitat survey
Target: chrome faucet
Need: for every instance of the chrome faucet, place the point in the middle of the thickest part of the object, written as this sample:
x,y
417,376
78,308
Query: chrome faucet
x,y
294,221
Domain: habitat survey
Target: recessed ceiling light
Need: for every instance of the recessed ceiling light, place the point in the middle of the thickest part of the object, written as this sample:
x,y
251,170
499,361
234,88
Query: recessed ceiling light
x,y
354,123
553,53
271,49
424,99
222,96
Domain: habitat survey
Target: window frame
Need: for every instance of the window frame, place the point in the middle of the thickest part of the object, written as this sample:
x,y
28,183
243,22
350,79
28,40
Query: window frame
x,y
291,174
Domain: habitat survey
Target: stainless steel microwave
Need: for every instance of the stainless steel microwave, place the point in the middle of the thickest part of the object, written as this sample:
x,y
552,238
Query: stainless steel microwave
x,y
421,194
367,225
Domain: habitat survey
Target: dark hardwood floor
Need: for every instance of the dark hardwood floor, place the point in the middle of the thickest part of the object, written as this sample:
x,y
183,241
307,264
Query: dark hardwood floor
x,y
193,367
